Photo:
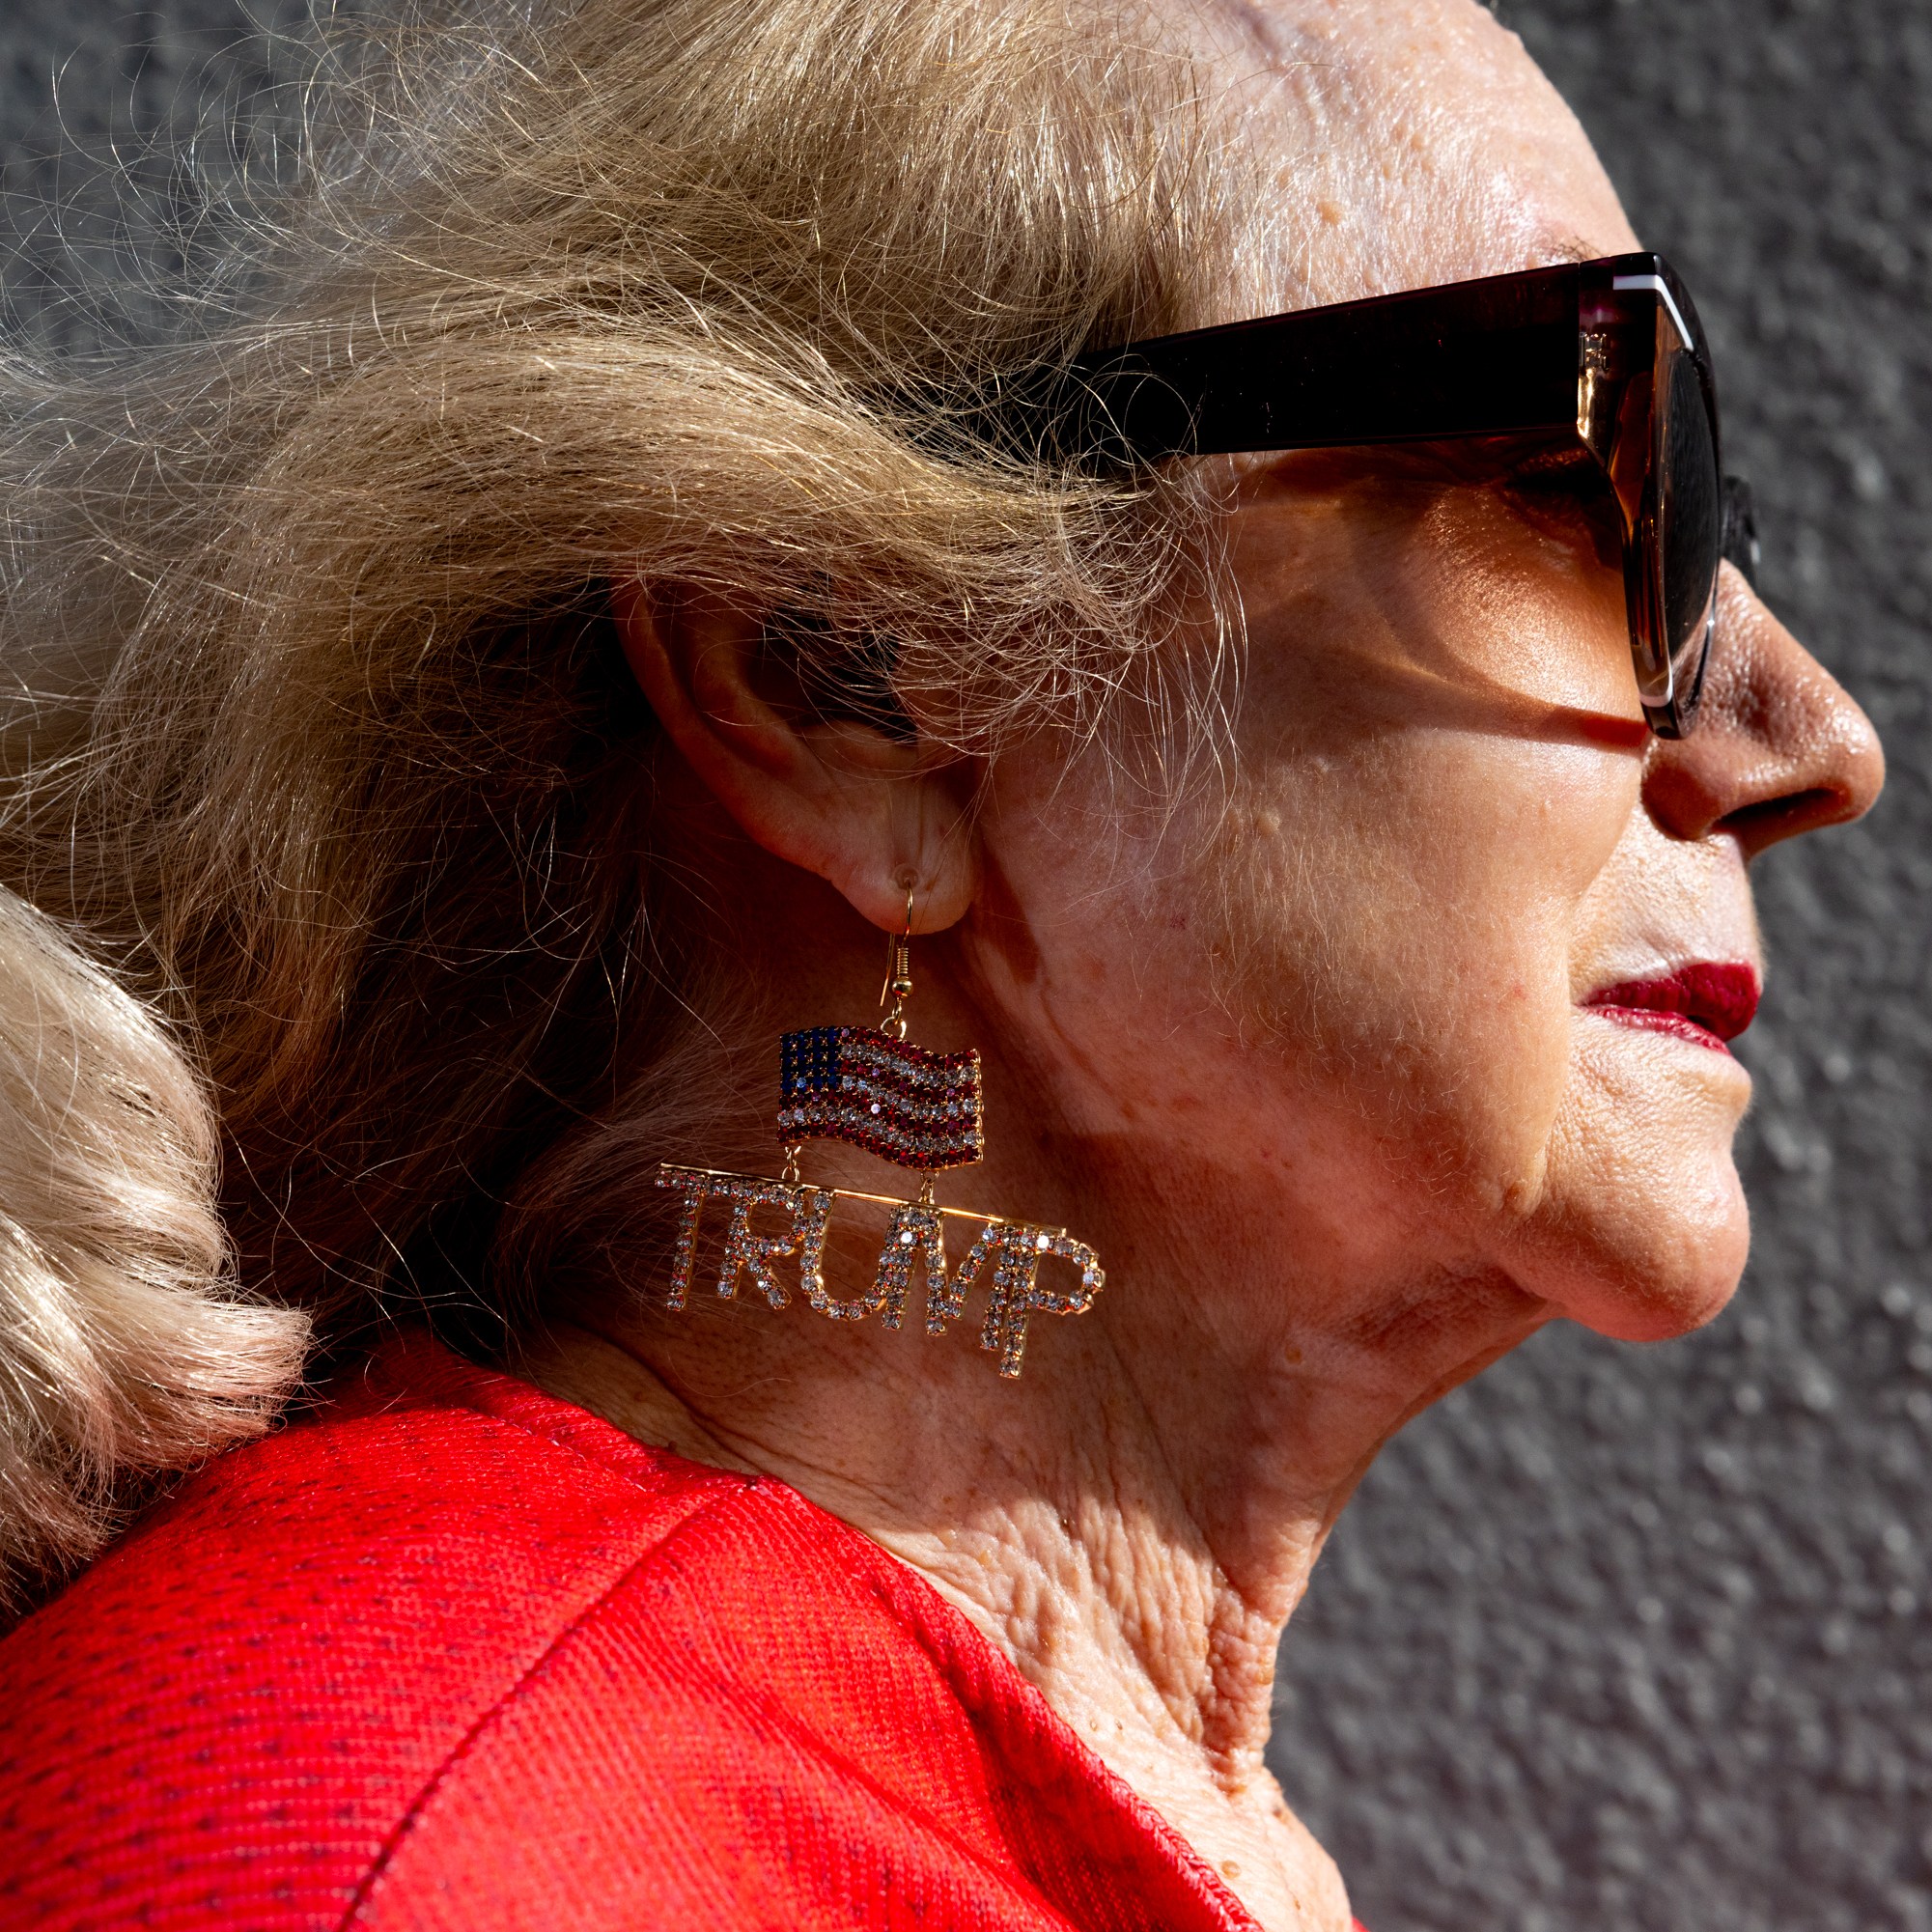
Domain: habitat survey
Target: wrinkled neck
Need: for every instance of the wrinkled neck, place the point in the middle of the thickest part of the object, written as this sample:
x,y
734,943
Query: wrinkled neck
x,y
1133,1522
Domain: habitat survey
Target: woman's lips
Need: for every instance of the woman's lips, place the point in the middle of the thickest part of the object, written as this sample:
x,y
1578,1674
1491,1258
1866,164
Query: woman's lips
x,y
1707,1003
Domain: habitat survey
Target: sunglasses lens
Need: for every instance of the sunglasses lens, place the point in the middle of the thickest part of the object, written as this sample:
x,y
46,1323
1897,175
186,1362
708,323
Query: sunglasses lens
x,y
1692,527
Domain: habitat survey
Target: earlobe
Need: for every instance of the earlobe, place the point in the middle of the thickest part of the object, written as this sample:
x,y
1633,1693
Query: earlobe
x,y
837,799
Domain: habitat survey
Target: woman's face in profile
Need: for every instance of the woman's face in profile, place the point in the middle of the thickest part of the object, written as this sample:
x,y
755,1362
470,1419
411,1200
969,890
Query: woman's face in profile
x,y
1408,1004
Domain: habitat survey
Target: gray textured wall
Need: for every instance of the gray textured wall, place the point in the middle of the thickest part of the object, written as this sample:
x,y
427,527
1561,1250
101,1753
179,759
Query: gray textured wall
x,y
1621,1639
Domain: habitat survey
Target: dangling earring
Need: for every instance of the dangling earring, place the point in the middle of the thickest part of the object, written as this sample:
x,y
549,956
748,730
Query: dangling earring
x,y
918,1109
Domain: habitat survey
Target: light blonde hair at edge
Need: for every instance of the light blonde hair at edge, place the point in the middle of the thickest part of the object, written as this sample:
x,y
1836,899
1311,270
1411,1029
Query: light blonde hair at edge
x,y
123,1350
324,740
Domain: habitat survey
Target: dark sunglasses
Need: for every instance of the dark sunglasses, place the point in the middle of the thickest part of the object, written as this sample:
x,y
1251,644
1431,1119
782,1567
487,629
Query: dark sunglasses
x,y
1607,356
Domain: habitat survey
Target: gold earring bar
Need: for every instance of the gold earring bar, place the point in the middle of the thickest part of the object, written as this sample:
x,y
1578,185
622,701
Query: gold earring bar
x,y
854,1194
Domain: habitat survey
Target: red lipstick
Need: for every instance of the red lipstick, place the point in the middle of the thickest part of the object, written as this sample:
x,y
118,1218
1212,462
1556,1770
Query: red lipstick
x,y
1707,1003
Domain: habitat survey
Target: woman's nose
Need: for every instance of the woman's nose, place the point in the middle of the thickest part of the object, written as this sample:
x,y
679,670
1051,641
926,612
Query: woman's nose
x,y
1780,747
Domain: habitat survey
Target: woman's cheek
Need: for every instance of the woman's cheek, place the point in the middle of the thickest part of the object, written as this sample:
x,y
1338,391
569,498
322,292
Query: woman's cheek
x,y
1516,837
1405,923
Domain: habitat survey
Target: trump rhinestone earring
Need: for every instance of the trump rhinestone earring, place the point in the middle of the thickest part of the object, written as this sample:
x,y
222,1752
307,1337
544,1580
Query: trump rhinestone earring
x,y
912,1107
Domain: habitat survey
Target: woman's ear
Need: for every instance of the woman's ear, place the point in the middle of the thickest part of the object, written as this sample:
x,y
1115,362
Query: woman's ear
x,y
856,806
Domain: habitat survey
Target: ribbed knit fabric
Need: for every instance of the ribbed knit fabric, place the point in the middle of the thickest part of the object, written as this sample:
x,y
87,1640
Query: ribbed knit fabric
x,y
454,1654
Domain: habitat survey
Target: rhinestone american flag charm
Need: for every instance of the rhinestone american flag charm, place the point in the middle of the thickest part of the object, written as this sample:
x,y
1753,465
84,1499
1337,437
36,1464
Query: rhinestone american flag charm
x,y
908,1105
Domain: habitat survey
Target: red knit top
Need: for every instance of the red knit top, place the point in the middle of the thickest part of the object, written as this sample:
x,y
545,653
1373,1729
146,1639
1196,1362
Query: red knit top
x,y
454,1654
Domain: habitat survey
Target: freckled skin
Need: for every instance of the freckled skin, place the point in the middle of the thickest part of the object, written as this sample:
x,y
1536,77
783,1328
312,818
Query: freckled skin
x,y
1303,1057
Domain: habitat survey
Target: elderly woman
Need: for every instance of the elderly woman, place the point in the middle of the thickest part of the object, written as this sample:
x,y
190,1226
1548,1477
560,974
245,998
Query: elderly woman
x,y
694,495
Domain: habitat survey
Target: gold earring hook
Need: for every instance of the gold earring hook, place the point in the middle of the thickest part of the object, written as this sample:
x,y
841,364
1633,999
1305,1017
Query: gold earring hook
x,y
898,987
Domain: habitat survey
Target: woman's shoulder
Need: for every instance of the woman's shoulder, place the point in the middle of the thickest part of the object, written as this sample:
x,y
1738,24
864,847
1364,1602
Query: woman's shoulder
x,y
291,1650
433,1525
456,1652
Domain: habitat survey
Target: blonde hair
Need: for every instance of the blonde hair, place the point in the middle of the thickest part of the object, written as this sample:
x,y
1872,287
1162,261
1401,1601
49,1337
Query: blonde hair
x,y
714,291
123,1350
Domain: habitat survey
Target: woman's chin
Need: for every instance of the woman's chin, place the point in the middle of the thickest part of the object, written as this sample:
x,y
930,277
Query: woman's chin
x,y
1650,1274
1640,1243
1659,1305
